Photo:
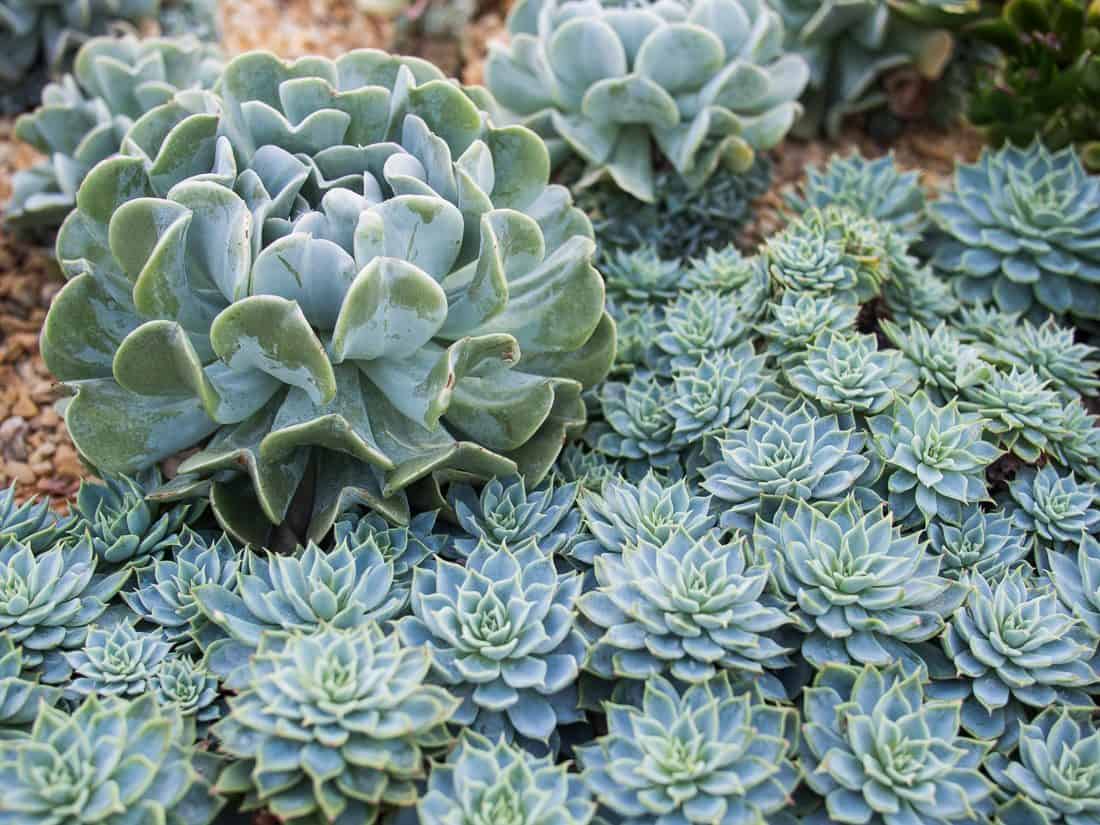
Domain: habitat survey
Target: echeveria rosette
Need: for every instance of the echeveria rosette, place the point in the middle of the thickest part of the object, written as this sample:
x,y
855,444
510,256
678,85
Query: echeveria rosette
x,y
341,587
111,761
333,725
865,592
639,425
1057,509
918,294
1019,230
784,452
492,783
333,270
934,459
584,466
987,543
406,546
502,635
32,522
1022,412
709,753
640,276
505,513
1071,367
942,364
686,608
622,514
723,270
1014,644
49,600
1077,447
880,752
634,344
20,695
596,80
715,394
117,660
799,319
187,684
1076,578
1054,779
696,326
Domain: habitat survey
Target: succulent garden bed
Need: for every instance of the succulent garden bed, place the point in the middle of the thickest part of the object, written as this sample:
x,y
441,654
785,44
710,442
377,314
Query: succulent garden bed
x,y
596,438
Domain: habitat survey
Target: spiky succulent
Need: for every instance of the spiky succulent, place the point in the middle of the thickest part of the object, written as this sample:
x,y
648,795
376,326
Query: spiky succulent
x,y
597,82
783,452
49,600
934,457
338,270
622,514
84,116
487,783
505,513
32,523
941,363
20,696
501,630
715,394
849,376
165,592
1022,413
1076,578
986,543
187,684
710,753
1052,351
640,275
874,188
799,319
882,753
341,587
1055,777
333,725
1019,231
639,425
686,608
865,593
1014,644
117,660
696,326
111,761
1057,509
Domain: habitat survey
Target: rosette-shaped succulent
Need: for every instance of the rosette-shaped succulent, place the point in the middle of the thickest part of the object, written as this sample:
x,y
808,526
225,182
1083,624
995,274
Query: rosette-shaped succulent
x,y
798,320
506,514
112,761
587,468
1051,350
84,117
784,452
985,543
1022,413
342,587
346,276
405,546
849,376
165,592
1020,228
48,601
1077,446
708,754
639,275
32,523
686,608
715,394
622,515
19,696
1058,509
873,188
934,458
696,326
188,685
635,348
117,660
1076,578
501,630
123,525
598,82
918,294
881,753
744,280
865,593
941,363
333,725
639,428
483,783
1015,643
1055,777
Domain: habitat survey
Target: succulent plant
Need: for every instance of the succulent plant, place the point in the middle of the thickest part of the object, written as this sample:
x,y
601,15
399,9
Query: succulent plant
x,y
486,783
123,525
1077,446
696,326
1018,232
873,188
1022,413
640,275
587,468
20,697
799,319
216,330
406,547
596,80
113,761
1014,644
49,600
1071,368
918,294
165,592
849,376
784,452
333,725
1057,509
725,271
623,515
635,348
934,457
117,660
942,364
1055,778
882,753
342,587
506,514
686,608
709,753
187,684
715,394
84,116
1076,578
987,543
639,425
865,593
501,631
32,523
